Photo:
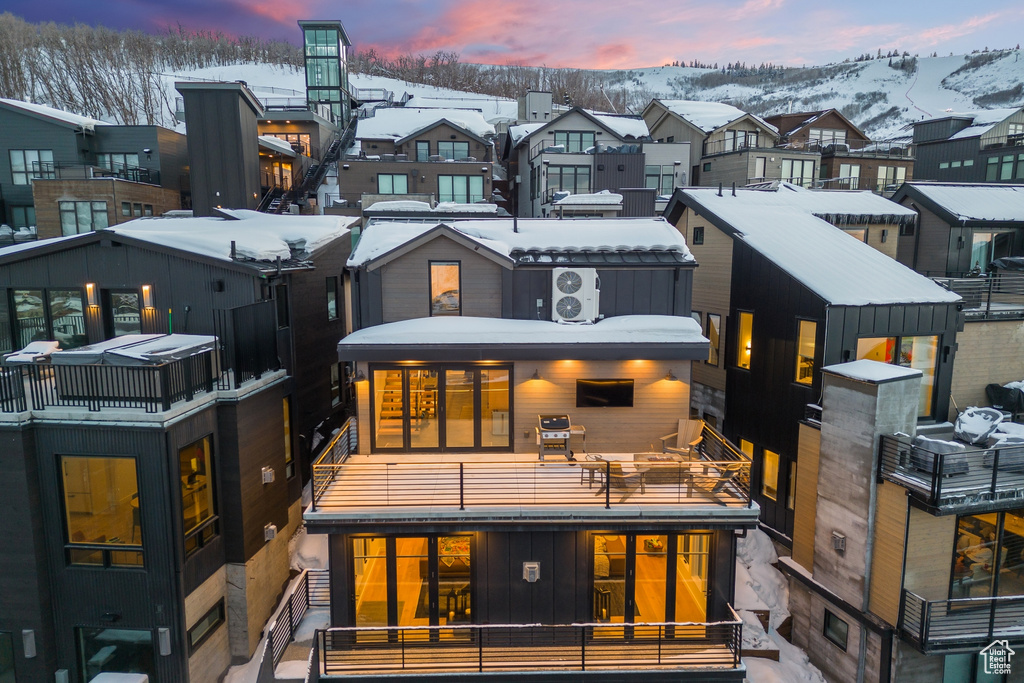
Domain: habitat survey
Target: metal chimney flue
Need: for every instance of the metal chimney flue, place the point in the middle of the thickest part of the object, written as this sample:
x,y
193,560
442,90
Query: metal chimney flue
x,y
719,189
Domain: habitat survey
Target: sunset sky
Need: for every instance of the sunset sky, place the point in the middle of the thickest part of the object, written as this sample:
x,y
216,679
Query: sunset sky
x,y
585,33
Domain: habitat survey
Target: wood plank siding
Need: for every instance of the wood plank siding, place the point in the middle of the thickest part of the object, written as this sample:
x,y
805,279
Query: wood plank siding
x,y
887,560
806,496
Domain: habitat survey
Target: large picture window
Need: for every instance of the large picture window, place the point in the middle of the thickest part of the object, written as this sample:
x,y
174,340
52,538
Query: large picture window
x,y
445,288
575,179
101,511
989,555
574,141
392,183
453,149
49,314
196,472
920,353
798,171
117,162
125,650
29,164
461,189
79,217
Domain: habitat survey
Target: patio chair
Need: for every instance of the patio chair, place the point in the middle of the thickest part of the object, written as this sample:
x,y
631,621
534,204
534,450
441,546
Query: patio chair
x,y
713,483
685,439
618,479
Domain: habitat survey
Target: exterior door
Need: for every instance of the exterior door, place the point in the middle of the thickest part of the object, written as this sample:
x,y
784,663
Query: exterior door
x,y
441,408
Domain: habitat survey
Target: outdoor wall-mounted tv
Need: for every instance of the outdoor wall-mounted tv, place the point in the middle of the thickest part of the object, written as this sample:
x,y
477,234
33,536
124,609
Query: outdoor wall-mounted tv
x,y
604,393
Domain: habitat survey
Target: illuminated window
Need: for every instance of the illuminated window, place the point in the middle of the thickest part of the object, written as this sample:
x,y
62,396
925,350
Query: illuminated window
x,y
770,475
747,448
745,334
805,346
713,332
791,486
101,511
445,288
920,353
196,471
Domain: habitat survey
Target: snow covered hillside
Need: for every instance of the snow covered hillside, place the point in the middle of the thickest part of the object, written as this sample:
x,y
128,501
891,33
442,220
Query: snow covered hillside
x,y
879,97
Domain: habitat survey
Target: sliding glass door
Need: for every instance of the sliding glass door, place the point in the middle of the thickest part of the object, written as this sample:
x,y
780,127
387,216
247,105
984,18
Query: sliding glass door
x,y
441,407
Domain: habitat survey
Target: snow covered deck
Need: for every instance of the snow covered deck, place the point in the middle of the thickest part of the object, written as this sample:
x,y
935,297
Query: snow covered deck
x,y
516,487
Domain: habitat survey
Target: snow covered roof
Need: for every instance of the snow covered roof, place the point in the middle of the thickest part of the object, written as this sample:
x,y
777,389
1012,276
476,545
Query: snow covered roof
x,y
394,123
257,236
276,144
56,114
624,126
709,116
841,269
517,133
676,336
424,207
505,236
965,202
872,371
982,120
604,197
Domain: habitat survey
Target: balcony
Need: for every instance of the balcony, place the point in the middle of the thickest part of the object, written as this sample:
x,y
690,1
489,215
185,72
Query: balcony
x,y
730,145
972,480
497,488
1015,140
961,624
996,296
89,172
549,147
519,650
244,349
855,148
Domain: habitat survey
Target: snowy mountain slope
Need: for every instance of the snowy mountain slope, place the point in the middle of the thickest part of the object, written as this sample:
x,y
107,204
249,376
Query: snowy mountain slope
x,y
880,98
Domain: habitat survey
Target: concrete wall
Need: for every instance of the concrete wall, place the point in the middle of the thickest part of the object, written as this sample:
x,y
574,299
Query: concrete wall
x,y
213,656
985,355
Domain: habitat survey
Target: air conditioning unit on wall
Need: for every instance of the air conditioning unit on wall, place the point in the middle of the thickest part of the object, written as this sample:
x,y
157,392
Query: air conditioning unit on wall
x,y
575,295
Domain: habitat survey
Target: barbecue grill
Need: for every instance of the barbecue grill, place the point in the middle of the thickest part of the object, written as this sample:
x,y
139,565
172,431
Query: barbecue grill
x,y
553,435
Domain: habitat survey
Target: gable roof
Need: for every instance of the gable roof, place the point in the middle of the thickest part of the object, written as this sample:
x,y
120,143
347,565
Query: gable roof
x,y
622,127
58,116
968,204
807,119
395,123
442,122
708,117
259,238
840,269
523,239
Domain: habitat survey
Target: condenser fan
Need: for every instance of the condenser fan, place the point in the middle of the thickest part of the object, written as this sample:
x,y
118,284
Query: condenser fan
x,y
569,282
569,306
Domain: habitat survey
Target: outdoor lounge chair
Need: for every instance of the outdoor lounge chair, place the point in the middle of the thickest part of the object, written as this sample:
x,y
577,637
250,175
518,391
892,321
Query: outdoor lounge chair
x,y
685,439
618,479
713,483
34,352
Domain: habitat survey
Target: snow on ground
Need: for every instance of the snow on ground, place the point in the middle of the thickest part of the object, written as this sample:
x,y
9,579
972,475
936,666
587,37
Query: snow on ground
x,y
308,551
760,586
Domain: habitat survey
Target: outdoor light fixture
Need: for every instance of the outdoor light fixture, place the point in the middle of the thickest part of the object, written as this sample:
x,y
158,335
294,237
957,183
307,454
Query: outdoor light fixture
x,y
671,377
147,296
536,374
360,377
90,293
28,641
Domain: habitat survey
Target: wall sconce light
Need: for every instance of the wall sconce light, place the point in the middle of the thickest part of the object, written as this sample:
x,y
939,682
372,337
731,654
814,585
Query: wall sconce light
x,y
536,374
885,234
483,169
90,294
747,347
163,639
670,377
28,641
677,163
344,167
147,296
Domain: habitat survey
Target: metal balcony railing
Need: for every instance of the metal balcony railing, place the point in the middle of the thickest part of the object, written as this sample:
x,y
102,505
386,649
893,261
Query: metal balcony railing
x,y
726,146
862,148
961,624
91,171
1015,140
992,296
528,647
972,478
719,476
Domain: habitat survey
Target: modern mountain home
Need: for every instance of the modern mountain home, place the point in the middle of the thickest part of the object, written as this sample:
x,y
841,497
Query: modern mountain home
x,y
157,400
577,152
971,147
783,292
729,146
510,506
66,174
849,159
907,551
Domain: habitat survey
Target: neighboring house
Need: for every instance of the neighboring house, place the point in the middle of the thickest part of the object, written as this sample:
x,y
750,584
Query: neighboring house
x,y
906,563
446,154
66,174
963,227
447,529
151,471
729,146
582,153
971,147
849,159
783,292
